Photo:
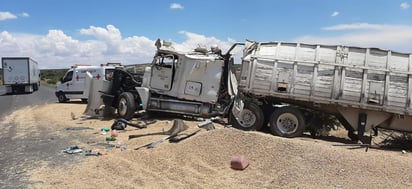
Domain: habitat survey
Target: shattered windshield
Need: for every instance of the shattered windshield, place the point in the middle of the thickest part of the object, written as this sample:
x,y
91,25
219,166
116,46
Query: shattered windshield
x,y
165,60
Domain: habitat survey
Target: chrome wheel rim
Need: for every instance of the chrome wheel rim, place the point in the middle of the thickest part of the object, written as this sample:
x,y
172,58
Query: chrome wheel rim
x,y
287,123
122,106
247,118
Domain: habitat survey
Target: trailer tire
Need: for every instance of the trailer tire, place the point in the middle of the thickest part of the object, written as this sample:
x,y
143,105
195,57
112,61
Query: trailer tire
x,y
251,118
287,122
126,106
35,87
62,97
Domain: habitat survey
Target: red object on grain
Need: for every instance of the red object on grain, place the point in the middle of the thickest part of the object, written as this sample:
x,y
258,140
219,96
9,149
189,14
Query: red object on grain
x,y
238,162
114,133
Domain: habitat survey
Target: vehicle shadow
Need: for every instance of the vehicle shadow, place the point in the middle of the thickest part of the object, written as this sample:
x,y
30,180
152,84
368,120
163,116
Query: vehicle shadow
x,y
395,143
16,93
376,143
71,102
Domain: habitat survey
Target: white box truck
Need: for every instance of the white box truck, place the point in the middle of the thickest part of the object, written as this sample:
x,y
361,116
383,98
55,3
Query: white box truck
x,y
20,74
73,84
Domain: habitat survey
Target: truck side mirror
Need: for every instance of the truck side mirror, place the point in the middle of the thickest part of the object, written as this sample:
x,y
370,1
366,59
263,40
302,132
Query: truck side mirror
x,y
61,80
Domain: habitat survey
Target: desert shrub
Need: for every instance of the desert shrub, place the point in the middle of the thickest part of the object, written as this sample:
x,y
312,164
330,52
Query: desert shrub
x,y
321,123
398,140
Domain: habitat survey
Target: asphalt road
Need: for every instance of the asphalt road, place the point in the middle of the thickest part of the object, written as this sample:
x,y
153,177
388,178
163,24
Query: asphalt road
x,y
10,103
18,155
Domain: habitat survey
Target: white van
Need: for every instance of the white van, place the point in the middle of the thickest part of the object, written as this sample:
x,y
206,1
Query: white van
x,y
73,84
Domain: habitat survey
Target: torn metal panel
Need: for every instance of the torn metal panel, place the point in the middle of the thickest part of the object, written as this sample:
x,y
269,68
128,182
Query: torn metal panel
x,y
95,105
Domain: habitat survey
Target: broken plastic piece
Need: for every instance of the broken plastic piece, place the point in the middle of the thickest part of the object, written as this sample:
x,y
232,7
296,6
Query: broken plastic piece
x,y
110,139
73,150
238,162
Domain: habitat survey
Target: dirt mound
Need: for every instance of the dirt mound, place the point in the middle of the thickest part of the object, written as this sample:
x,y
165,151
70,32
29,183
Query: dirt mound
x,y
203,162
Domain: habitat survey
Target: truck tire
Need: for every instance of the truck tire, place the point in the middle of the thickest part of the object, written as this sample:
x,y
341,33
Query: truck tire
x,y
287,122
250,119
126,106
62,97
35,87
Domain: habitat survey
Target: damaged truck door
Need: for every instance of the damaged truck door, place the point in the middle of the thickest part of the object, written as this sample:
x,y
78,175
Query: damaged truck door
x,y
162,74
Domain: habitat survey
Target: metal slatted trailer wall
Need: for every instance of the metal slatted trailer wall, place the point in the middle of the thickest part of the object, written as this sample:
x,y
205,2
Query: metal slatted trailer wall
x,y
365,78
366,87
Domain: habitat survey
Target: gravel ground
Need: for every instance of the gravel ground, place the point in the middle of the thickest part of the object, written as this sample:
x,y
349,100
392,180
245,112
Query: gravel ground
x,y
201,161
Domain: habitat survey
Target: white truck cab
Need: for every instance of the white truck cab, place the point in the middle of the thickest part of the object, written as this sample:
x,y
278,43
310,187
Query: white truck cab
x,y
73,84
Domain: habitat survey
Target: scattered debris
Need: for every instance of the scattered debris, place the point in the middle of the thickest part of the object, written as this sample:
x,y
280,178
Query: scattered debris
x,y
73,150
178,126
148,122
208,125
404,152
110,139
366,146
219,120
104,131
154,144
90,153
239,162
114,133
102,153
73,116
179,138
78,128
123,148
86,117
121,124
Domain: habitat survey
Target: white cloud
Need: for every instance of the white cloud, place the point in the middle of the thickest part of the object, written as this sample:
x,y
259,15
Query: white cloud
x,y
405,5
7,16
56,49
336,13
24,14
194,40
176,6
393,37
357,26
108,34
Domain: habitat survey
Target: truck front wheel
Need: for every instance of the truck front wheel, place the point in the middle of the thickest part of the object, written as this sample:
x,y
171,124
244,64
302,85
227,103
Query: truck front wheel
x,y
126,106
250,119
287,122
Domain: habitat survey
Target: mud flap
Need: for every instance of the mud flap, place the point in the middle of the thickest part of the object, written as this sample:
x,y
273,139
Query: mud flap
x,y
144,96
9,89
237,108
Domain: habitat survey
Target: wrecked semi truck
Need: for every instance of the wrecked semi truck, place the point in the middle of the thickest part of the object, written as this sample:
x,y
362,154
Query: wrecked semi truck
x,y
365,88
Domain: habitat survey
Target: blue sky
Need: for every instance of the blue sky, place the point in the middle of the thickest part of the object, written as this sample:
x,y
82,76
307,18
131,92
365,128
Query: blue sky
x,y
61,33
